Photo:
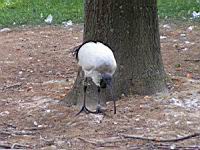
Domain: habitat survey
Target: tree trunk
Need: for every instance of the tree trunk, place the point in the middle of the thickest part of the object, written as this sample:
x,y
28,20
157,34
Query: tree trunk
x,y
130,28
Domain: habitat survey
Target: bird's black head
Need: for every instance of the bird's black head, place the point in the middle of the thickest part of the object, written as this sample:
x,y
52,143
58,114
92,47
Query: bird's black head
x,y
106,80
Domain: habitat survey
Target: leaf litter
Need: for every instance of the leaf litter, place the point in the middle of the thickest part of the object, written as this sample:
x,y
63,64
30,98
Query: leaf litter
x,y
46,72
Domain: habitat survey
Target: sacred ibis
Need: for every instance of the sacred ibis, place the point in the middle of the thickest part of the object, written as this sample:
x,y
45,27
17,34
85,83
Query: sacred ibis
x,y
98,63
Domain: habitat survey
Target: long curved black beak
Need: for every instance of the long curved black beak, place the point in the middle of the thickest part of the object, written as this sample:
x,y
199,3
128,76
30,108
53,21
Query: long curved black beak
x,y
111,93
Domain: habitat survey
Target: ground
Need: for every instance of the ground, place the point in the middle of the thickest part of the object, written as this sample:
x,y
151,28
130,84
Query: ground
x,y
37,70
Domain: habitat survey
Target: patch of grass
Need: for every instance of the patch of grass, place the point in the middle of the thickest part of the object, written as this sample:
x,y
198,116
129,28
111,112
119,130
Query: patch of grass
x,y
177,9
33,12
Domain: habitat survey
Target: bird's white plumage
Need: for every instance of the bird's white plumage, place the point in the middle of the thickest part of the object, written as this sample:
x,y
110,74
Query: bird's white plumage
x,y
96,59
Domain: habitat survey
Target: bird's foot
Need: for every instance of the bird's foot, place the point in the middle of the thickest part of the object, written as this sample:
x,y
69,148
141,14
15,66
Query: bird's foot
x,y
99,110
86,110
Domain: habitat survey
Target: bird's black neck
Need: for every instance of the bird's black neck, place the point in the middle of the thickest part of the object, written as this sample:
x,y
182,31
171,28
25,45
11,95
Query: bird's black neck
x,y
103,84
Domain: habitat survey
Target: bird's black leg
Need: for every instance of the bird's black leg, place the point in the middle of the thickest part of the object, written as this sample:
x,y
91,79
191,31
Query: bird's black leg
x,y
98,109
112,96
84,108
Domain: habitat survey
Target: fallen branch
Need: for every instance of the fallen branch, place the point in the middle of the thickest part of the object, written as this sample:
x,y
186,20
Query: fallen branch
x,y
194,60
162,146
102,142
161,140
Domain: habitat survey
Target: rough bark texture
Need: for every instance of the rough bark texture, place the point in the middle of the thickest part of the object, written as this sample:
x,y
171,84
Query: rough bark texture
x,y
130,28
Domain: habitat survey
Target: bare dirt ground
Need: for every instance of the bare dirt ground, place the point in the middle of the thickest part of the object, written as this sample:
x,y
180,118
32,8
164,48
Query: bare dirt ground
x,y
37,71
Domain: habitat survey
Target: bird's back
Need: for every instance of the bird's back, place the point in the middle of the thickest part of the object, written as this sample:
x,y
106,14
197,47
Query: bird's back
x,y
96,57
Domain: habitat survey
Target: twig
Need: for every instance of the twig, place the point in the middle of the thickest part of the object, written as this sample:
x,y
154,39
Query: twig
x,y
101,142
160,140
194,60
88,141
17,85
23,132
5,133
4,146
10,125
47,142
162,146
13,146
19,146
177,147
35,128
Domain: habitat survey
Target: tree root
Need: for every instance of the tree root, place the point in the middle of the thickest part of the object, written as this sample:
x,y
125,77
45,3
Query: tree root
x,y
161,140
124,137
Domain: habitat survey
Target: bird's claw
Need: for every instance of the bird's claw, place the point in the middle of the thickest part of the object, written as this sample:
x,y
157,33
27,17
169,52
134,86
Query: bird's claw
x,y
86,110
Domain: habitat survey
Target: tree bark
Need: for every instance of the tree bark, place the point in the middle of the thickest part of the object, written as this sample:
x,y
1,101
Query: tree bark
x,y
130,28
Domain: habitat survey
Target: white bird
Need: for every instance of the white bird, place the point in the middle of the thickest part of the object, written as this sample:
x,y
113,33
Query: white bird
x,y
99,64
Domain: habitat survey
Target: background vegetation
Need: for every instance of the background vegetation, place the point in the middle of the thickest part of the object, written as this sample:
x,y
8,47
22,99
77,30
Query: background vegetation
x,y
33,12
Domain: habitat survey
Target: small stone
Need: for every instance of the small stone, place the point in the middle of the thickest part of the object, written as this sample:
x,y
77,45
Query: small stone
x,y
147,97
187,42
35,123
183,35
190,28
48,110
173,146
189,75
166,26
60,143
163,37
20,73
53,147
76,38
67,23
40,126
115,123
137,119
